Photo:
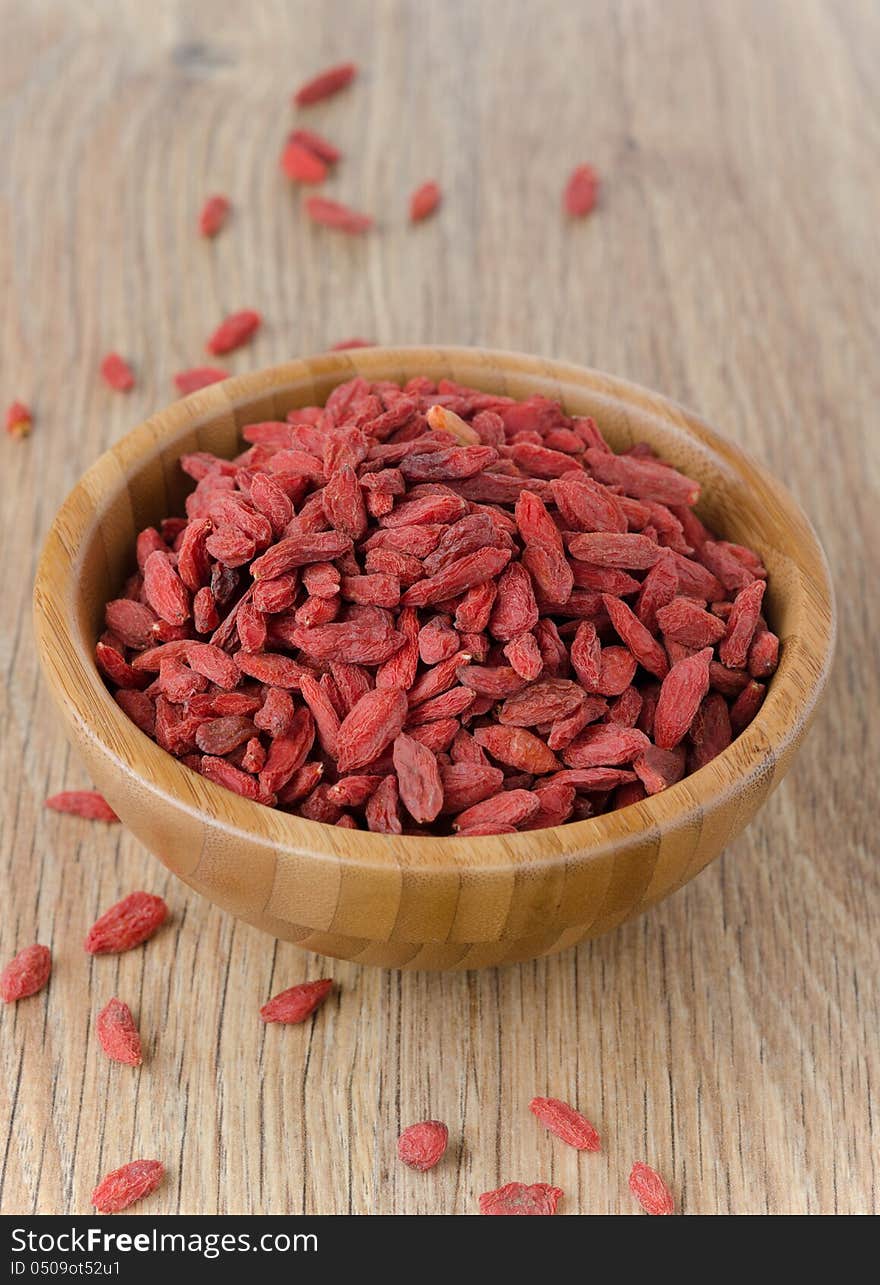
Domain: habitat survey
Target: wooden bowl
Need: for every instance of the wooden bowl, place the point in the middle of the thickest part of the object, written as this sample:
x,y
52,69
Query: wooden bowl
x,y
423,902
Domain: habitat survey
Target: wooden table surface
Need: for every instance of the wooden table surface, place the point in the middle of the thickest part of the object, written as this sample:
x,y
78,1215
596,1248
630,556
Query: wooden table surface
x,y
730,1036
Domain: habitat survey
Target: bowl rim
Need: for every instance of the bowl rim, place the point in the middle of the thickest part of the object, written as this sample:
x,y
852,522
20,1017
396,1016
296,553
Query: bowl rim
x,y
750,756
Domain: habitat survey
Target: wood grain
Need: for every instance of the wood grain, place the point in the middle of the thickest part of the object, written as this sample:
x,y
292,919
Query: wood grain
x,y
727,1037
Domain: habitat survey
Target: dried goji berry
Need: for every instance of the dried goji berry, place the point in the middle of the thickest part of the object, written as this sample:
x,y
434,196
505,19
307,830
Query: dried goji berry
x,y
297,1002
520,1198
763,654
325,84
684,621
517,748
742,622
19,420
124,1186
213,215
117,373
118,1035
581,191
130,922
82,803
657,769
164,590
331,214
510,807
26,974
650,1190
366,730
190,381
422,1145
316,143
301,164
424,201
233,331
746,705
567,1123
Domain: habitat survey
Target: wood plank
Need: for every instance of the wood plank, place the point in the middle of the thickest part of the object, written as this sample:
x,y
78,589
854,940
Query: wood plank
x,y
729,1036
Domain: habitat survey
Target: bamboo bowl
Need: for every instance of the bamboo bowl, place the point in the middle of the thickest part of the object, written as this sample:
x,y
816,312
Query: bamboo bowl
x,y
423,902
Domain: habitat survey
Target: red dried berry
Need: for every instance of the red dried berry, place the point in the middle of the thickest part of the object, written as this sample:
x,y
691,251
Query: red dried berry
x,y
418,777
233,331
19,420
681,692
82,803
424,201
301,164
331,214
517,748
118,1034
510,807
371,725
130,922
518,1198
190,381
746,706
581,191
117,373
422,1145
650,1190
213,216
742,622
316,143
122,1187
26,974
567,1123
297,1002
325,84
763,654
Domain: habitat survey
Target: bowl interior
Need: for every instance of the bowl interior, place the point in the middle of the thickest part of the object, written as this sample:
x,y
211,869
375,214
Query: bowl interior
x,y
90,551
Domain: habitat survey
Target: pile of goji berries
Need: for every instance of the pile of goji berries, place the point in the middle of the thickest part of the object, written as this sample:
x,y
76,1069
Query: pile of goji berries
x,y
431,609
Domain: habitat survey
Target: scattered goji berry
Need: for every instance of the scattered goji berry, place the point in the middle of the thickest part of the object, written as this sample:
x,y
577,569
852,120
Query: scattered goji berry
x,y
581,191
130,922
331,214
418,778
424,201
519,1198
124,1186
190,381
26,974
325,84
118,1034
422,1145
316,143
82,803
297,1002
117,373
650,1190
213,216
301,164
19,420
567,1123
233,331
